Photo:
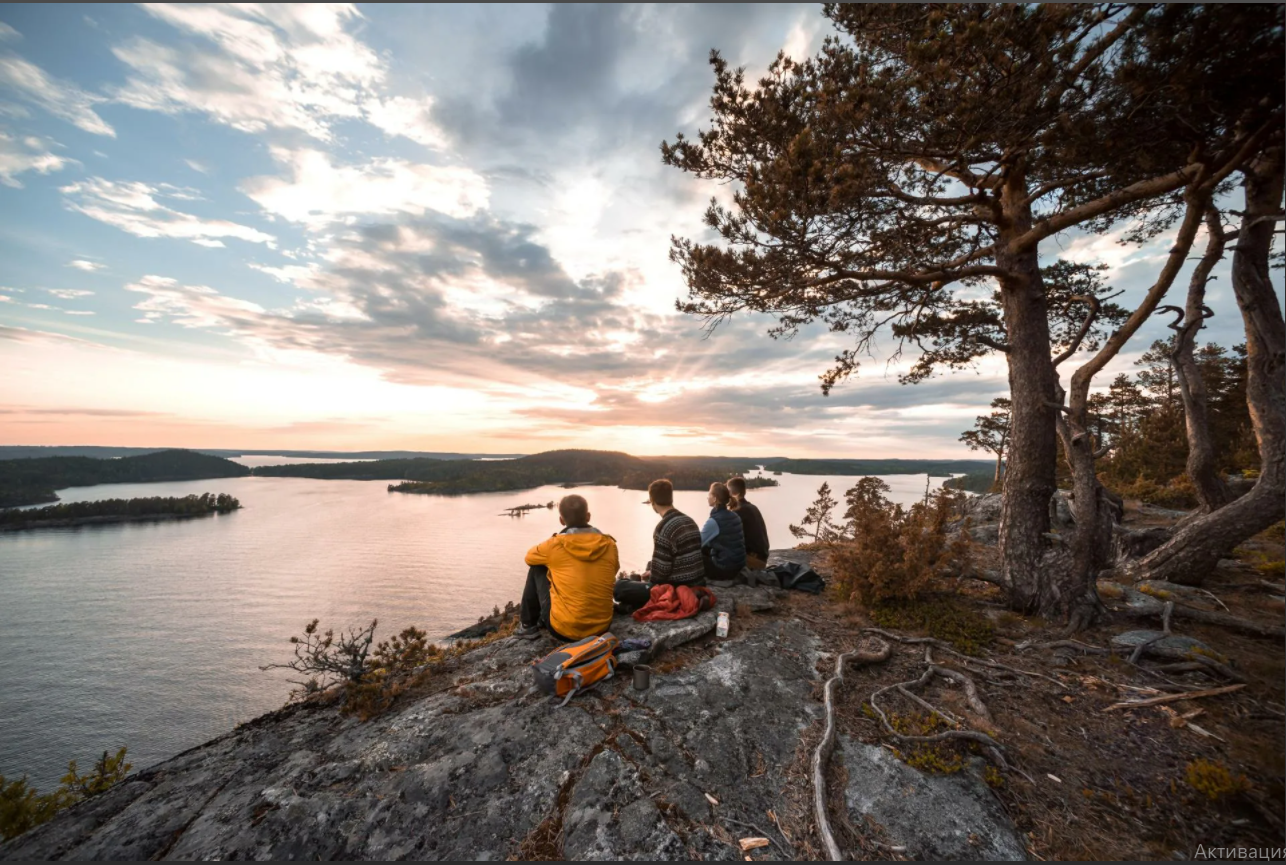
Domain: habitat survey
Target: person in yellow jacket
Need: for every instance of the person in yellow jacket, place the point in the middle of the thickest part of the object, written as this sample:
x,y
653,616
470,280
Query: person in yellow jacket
x,y
570,579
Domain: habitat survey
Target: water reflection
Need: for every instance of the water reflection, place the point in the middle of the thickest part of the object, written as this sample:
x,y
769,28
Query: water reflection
x,y
151,635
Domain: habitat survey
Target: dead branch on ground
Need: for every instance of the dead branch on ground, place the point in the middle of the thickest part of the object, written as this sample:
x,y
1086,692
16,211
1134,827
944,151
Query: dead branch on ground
x,y
871,652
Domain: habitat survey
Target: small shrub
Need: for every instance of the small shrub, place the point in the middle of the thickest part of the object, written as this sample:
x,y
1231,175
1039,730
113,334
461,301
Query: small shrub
x,y
818,516
1178,494
23,809
1274,533
994,777
1215,780
1272,569
886,553
326,659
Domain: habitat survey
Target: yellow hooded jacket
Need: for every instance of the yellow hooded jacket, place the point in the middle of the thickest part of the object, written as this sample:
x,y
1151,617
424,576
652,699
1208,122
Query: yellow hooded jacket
x,y
582,574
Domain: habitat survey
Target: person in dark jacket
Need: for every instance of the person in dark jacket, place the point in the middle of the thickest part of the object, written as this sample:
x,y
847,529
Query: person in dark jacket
x,y
723,541
752,523
676,551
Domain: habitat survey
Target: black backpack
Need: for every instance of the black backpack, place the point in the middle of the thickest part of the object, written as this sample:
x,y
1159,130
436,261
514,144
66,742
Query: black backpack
x,y
796,576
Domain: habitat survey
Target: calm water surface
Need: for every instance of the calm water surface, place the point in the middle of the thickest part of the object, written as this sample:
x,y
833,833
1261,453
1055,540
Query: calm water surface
x,y
151,635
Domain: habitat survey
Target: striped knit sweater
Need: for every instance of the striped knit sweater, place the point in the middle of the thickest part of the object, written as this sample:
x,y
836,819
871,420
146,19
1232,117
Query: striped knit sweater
x,y
676,551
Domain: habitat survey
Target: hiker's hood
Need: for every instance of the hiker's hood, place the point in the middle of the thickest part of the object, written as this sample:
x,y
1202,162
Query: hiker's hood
x,y
587,545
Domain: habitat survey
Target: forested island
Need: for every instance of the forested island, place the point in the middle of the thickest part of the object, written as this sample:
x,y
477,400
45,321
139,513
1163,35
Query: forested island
x,y
934,468
562,467
33,481
118,511
608,468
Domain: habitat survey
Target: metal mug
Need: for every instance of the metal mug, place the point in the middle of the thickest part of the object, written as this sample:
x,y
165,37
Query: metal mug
x,y
642,677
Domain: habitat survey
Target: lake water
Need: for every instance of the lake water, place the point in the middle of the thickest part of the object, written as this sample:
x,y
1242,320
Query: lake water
x,y
150,635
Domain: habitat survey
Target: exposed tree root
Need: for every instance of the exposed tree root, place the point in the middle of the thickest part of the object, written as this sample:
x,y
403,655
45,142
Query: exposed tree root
x,y
976,704
945,735
1136,604
1210,664
871,652
1077,645
1165,632
965,659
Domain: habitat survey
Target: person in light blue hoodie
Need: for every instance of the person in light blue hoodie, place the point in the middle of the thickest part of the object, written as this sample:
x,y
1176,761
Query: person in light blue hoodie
x,y
723,541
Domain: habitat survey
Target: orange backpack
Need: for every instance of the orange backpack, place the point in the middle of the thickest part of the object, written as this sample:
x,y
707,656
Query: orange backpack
x,y
572,668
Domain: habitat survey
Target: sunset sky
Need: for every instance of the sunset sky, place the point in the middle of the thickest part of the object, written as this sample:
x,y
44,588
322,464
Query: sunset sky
x,y
418,227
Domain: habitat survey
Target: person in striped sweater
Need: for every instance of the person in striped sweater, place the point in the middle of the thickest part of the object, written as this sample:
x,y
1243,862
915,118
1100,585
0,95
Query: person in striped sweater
x,y
676,551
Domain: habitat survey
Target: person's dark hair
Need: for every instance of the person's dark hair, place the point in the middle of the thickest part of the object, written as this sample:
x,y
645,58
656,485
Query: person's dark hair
x,y
737,486
720,493
661,493
575,511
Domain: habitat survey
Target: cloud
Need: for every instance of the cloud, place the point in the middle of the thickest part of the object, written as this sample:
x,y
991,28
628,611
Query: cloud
x,y
61,99
197,166
8,34
258,67
22,334
87,266
19,155
318,192
134,208
190,305
481,303
87,412
69,293
300,274
79,312
410,118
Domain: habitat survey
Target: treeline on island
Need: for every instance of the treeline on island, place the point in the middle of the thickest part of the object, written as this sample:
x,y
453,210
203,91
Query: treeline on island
x,y
564,467
587,467
33,481
118,510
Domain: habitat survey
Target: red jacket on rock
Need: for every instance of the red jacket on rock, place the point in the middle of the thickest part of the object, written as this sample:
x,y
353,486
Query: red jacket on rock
x,y
675,602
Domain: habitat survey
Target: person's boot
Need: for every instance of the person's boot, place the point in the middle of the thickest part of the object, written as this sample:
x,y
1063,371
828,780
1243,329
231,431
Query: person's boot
x,y
527,632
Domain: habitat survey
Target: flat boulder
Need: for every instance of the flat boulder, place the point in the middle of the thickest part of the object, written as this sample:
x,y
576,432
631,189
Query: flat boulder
x,y
1168,646
610,817
934,817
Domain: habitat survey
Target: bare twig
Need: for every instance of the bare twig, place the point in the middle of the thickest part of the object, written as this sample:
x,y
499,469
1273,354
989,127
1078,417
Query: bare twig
x,y
1172,698
787,851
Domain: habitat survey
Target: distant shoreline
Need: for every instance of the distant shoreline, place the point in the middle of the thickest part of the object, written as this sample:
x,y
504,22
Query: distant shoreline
x,y
105,519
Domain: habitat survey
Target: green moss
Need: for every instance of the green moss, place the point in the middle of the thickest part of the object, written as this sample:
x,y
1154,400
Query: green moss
x,y
935,758
941,617
1215,780
1207,653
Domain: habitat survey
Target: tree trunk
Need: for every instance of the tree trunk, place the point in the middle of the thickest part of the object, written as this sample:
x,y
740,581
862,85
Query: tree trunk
x,y
1029,475
1195,549
1092,541
1000,468
1203,470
